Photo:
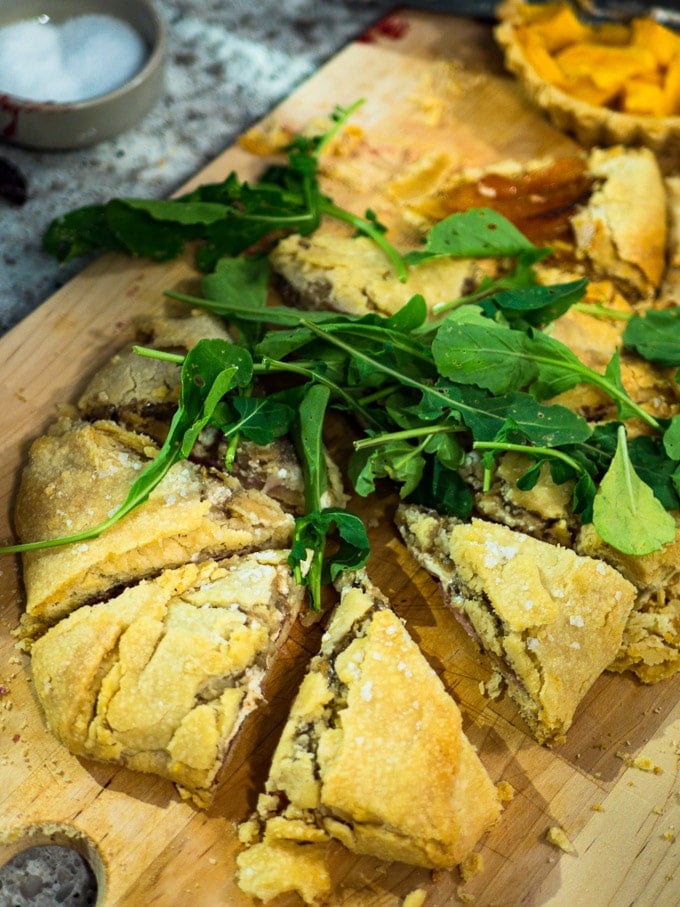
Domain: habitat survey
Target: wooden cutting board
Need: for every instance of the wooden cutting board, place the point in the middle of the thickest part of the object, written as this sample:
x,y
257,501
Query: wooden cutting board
x,y
431,83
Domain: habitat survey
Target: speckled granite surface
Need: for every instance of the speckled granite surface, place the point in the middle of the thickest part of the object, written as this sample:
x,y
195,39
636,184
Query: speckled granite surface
x,y
228,64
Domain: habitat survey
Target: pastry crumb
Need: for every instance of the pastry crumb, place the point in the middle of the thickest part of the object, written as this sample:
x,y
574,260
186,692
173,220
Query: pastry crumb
x,y
557,836
597,808
471,866
465,897
506,791
669,836
494,687
642,763
415,898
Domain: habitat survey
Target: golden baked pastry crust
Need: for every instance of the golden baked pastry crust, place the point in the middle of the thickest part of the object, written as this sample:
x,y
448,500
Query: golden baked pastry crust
x,y
372,754
75,478
624,234
351,275
550,620
161,677
132,388
650,647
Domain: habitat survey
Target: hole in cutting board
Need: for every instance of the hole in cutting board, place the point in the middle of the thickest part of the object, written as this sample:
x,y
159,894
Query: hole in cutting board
x,y
50,864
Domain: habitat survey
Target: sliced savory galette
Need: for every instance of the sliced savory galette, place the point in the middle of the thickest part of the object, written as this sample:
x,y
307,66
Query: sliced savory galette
x,y
161,677
581,206
373,755
353,276
550,620
75,478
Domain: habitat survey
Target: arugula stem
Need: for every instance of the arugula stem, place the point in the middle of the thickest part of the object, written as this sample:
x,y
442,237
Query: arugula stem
x,y
378,395
230,452
531,451
601,311
379,334
620,396
406,435
326,206
150,353
267,366
412,453
340,120
442,308
590,376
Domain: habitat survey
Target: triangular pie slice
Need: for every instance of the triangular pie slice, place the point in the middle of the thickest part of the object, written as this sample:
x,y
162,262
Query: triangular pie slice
x,y
549,619
161,677
76,477
373,755
352,275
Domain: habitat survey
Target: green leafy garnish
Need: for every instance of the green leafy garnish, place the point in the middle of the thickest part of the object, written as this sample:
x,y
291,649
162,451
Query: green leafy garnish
x,y
227,218
626,513
655,336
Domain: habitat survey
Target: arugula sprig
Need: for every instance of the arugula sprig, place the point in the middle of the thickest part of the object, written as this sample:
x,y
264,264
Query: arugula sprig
x,y
310,559
226,218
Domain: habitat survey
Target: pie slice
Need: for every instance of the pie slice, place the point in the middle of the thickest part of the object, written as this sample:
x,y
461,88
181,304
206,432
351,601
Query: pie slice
x,y
579,205
352,275
373,755
161,677
608,83
550,620
140,394
651,641
76,477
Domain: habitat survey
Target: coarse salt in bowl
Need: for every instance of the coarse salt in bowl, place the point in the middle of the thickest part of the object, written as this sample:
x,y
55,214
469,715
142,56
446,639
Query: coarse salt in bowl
x,y
76,72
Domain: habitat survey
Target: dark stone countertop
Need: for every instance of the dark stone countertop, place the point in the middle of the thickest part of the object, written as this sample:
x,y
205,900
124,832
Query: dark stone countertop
x,y
228,64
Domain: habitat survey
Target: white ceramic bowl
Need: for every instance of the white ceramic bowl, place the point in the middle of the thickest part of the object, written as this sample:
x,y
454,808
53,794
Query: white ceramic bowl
x,y
59,126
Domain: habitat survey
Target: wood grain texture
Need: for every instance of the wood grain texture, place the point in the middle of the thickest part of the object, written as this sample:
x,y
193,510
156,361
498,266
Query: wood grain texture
x,y
439,85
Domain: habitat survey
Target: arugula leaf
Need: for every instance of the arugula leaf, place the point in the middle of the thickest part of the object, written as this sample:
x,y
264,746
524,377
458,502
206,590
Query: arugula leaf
x,y
79,233
626,514
443,490
477,233
535,306
243,280
398,460
312,530
261,419
671,438
485,415
502,360
138,234
655,335
170,212
651,462
311,534
309,438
